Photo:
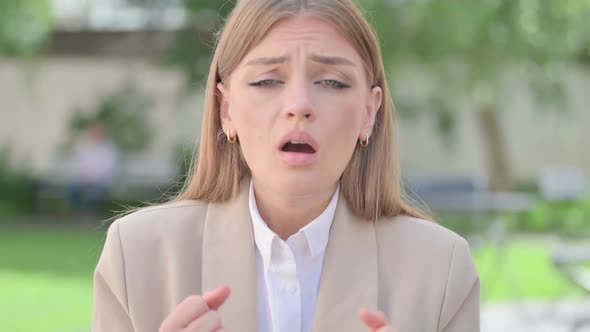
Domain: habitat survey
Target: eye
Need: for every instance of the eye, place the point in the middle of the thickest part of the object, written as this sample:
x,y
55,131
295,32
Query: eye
x,y
333,84
265,83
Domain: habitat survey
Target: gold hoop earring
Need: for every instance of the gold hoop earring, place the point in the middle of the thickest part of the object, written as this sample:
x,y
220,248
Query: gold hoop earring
x,y
231,139
365,141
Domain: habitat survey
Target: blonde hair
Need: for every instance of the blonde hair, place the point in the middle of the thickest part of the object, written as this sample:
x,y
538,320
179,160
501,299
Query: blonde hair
x,y
371,183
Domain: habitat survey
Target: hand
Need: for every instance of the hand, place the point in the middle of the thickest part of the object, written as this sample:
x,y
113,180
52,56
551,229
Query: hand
x,y
197,313
376,321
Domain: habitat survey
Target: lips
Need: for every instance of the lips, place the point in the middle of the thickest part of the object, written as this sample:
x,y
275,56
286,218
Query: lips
x,y
298,149
298,142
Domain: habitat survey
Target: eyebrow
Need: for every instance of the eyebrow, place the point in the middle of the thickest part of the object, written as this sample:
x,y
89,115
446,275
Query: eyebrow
x,y
327,60
267,61
331,60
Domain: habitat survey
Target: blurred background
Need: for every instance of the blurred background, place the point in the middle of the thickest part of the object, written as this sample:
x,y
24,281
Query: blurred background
x,y
101,105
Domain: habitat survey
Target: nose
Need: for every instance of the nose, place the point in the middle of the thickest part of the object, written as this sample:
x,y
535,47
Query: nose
x,y
298,102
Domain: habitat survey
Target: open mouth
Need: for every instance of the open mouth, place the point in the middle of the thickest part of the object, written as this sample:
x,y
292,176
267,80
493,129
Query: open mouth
x,y
297,147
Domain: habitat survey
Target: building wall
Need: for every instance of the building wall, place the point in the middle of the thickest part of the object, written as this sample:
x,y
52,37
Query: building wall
x,y
534,139
36,102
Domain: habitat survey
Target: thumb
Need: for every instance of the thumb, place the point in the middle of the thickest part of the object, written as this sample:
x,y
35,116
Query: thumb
x,y
216,297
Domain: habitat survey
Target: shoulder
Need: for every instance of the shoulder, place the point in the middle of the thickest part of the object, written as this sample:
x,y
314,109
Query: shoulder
x,y
427,270
427,266
424,247
145,248
417,233
156,214
161,223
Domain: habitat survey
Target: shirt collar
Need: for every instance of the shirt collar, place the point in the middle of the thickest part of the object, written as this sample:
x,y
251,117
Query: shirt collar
x,y
263,236
317,232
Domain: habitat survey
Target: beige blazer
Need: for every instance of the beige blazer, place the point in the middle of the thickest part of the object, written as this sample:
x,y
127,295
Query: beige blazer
x,y
417,272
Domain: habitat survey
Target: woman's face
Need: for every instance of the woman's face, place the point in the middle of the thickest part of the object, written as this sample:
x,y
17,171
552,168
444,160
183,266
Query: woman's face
x,y
298,102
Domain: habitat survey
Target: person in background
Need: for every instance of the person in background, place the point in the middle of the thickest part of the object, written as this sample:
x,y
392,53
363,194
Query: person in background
x,y
95,164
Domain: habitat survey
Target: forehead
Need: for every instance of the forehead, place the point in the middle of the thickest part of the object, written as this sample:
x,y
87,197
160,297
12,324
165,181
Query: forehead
x,y
307,34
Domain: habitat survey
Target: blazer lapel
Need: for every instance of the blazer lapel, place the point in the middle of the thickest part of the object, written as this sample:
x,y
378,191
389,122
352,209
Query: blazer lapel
x,y
229,258
349,276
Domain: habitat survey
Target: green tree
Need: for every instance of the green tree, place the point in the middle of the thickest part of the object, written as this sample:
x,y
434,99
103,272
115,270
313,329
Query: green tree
x,y
24,26
466,51
193,45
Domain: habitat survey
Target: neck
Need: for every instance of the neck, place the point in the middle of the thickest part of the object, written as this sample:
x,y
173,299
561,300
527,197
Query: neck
x,y
285,214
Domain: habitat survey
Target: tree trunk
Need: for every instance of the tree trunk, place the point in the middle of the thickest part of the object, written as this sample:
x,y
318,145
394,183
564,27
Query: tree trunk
x,y
495,148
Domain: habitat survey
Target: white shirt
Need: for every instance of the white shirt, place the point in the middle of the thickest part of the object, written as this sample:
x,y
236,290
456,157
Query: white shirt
x,y
289,271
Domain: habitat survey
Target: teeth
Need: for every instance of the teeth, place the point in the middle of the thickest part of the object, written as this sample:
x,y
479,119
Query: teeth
x,y
297,142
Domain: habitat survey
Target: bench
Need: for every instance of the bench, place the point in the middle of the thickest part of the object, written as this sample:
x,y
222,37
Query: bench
x,y
139,180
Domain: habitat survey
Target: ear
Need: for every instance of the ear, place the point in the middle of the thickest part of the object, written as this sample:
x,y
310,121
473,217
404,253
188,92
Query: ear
x,y
373,105
223,100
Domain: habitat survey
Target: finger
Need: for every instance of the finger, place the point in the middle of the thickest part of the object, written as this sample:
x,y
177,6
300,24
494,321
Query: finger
x,y
216,297
373,319
188,310
209,322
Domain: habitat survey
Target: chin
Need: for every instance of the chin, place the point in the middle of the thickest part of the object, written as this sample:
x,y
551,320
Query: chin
x,y
303,182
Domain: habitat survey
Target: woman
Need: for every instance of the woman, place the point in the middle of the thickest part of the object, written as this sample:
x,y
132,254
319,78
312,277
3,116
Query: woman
x,y
294,218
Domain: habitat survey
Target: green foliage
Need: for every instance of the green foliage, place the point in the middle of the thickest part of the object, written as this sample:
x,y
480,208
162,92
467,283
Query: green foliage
x,y
192,48
490,32
123,114
467,48
522,270
193,45
24,26
567,218
449,56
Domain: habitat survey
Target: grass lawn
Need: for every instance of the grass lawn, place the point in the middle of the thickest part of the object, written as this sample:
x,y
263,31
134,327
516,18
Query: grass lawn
x,y
523,271
46,277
